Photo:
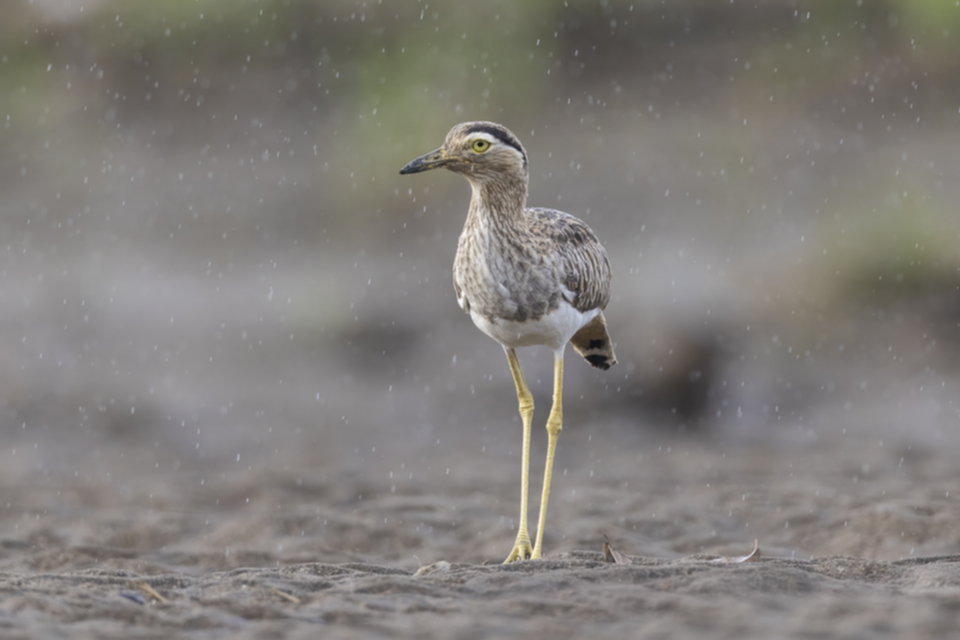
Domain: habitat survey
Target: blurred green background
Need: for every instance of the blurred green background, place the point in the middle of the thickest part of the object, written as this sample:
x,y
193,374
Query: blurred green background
x,y
208,251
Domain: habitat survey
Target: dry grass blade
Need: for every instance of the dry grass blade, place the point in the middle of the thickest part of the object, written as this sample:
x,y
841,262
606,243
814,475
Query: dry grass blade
x,y
753,556
441,566
612,555
289,597
150,591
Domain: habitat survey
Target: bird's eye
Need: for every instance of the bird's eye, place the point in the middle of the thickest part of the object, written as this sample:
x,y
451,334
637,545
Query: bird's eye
x,y
480,145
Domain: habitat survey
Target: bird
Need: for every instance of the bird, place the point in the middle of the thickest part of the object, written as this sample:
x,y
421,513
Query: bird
x,y
527,276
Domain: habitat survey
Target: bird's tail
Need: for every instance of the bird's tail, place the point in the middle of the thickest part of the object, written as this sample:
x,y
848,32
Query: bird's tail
x,y
593,343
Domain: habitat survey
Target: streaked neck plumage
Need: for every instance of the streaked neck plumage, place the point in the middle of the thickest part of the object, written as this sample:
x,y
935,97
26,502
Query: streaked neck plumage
x,y
501,202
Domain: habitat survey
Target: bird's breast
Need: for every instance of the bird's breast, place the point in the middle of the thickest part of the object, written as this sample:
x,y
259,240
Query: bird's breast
x,y
505,282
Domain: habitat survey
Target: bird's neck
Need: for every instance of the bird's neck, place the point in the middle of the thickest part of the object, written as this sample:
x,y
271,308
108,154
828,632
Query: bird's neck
x,y
501,202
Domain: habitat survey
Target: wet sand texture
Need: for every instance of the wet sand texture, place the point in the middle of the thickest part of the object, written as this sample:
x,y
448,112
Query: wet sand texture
x,y
574,595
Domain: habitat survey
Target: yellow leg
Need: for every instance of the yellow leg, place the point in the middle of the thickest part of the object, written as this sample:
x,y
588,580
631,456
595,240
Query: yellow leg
x,y
554,427
521,548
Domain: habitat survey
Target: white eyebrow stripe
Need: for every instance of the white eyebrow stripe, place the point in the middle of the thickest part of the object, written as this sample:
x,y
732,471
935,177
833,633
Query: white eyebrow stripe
x,y
480,135
492,139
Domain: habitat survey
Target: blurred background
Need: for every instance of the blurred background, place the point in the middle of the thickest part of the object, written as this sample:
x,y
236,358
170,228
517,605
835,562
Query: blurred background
x,y
213,280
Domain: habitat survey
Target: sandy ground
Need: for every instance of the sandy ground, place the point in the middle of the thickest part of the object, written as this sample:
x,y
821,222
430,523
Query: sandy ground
x,y
856,541
225,411
571,595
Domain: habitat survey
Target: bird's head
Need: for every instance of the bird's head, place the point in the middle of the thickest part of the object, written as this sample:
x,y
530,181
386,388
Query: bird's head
x,y
479,151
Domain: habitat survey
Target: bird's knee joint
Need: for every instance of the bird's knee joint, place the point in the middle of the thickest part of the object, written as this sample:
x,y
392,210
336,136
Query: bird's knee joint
x,y
554,424
526,408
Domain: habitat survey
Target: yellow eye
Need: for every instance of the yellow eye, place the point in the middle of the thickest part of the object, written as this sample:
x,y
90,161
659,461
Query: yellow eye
x,y
480,145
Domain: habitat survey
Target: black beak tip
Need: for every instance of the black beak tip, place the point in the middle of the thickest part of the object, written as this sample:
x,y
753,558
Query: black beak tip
x,y
432,160
415,166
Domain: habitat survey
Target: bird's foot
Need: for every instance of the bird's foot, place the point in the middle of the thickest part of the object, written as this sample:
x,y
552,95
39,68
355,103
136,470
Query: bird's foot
x,y
522,549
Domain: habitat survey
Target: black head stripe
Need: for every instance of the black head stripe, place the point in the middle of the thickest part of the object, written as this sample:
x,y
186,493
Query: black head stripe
x,y
500,135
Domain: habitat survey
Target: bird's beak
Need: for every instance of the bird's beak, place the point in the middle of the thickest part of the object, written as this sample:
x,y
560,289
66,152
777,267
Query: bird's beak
x,y
432,160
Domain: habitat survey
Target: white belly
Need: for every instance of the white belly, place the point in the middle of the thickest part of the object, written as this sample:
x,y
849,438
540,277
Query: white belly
x,y
553,330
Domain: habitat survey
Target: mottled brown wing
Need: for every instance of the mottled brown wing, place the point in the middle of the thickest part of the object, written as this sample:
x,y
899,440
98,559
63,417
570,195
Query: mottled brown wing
x,y
587,275
585,262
